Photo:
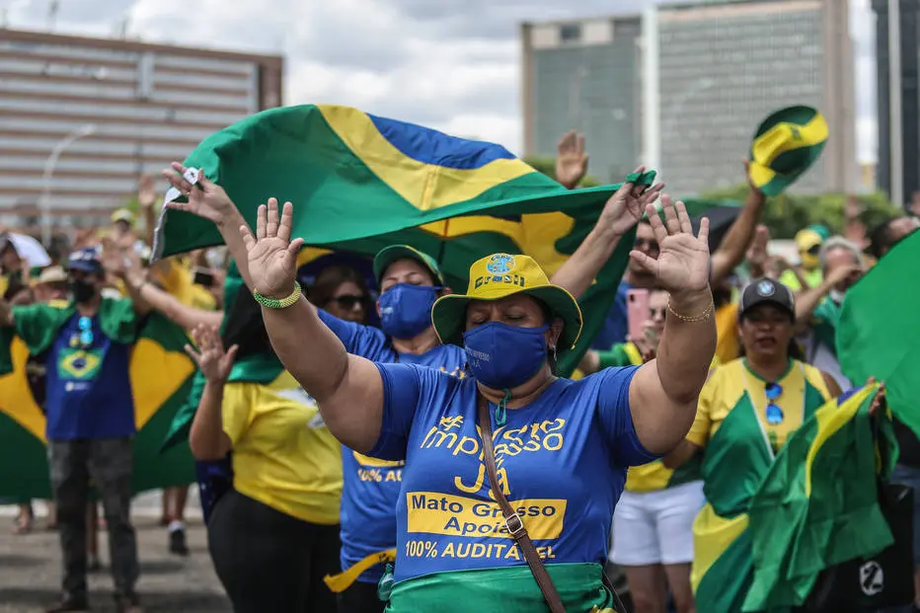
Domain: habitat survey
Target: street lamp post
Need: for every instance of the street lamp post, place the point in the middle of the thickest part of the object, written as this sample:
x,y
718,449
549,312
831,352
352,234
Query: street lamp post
x,y
50,163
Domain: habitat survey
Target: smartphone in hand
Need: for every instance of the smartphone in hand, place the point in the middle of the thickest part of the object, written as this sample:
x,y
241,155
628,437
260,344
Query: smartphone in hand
x,y
203,277
637,312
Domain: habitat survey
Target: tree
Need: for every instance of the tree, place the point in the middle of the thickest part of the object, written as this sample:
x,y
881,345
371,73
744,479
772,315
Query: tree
x,y
786,214
547,165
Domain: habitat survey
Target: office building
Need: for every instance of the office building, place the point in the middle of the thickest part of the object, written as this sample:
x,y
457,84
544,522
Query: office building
x,y
691,83
82,118
584,76
898,64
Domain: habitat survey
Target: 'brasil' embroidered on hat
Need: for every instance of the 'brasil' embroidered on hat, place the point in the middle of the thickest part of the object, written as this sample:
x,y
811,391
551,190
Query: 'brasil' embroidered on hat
x,y
501,275
786,144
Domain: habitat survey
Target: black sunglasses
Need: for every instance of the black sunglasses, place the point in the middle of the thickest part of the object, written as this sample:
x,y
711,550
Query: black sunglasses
x,y
349,301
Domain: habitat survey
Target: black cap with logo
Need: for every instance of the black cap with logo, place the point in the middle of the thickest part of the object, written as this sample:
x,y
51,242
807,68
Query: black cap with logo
x,y
766,291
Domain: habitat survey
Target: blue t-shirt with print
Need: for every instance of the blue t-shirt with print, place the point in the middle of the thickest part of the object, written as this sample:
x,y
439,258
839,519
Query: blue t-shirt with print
x,y
88,386
616,326
561,461
371,486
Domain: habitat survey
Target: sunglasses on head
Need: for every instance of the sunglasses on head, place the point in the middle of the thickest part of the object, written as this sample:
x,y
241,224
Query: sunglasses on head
x,y
774,413
349,301
645,242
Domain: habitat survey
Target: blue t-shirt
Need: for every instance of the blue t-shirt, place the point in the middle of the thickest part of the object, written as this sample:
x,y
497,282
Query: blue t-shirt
x,y
88,387
616,326
561,460
371,486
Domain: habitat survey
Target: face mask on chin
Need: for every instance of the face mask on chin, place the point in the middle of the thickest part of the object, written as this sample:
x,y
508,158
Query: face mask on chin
x,y
82,291
502,356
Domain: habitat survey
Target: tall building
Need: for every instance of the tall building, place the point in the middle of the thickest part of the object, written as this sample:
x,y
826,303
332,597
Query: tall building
x,y
82,118
898,64
700,77
584,76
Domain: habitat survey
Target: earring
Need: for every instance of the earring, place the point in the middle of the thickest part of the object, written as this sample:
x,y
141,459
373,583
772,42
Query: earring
x,y
553,350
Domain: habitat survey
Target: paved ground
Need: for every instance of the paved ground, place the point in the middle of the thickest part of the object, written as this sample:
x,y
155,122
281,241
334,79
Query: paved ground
x,y
30,568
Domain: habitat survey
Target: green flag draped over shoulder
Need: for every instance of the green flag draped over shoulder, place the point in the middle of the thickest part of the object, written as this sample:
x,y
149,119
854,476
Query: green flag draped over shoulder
x,y
878,333
160,374
818,505
360,183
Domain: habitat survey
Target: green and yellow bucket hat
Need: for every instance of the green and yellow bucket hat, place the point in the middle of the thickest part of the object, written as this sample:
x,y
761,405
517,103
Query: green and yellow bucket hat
x,y
786,144
387,256
498,276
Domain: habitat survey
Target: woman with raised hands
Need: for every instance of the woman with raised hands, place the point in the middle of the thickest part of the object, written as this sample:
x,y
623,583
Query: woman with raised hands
x,y
537,481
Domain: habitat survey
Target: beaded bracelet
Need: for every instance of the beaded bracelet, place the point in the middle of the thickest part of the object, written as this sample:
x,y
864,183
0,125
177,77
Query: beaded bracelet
x,y
271,303
701,317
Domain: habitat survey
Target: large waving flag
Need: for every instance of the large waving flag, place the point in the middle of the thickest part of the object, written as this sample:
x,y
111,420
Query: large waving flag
x,y
360,183
816,507
161,376
878,333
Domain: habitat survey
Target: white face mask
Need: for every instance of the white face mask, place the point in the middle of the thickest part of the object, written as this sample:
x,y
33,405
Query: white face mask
x,y
837,296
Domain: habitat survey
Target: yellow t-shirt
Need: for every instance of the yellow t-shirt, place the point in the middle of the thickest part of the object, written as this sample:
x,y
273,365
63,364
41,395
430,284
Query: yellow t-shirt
x,y
812,277
728,344
176,280
283,454
804,390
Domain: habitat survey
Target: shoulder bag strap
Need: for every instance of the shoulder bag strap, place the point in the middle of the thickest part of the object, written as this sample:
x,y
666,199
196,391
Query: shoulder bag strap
x,y
512,520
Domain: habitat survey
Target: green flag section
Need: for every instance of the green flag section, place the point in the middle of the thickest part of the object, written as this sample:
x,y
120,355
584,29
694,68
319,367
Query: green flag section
x,y
817,506
360,183
878,333
161,377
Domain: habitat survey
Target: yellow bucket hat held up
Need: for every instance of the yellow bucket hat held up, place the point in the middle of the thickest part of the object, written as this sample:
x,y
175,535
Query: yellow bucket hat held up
x,y
501,275
786,144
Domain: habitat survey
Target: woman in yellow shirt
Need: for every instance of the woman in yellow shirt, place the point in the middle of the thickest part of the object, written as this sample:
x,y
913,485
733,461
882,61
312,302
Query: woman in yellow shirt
x,y
275,535
747,411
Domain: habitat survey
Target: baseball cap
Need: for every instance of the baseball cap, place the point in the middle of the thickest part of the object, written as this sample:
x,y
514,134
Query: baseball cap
x,y
86,259
766,291
123,215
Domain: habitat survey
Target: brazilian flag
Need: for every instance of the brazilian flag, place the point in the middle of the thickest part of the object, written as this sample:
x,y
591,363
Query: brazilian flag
x,y
817,506
360,183
161,376
878,332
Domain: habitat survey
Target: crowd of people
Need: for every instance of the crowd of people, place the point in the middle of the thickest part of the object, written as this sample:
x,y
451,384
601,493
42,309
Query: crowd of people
x,y
359,467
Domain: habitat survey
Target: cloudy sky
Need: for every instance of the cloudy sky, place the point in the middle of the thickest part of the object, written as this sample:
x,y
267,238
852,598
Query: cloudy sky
x,y
447,64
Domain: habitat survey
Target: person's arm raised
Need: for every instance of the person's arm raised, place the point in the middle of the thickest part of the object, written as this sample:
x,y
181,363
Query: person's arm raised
x,y
664,393
207,438
208,200
347,388
623,211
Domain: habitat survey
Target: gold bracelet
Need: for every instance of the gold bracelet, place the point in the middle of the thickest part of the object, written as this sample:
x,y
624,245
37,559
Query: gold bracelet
x,y
690,320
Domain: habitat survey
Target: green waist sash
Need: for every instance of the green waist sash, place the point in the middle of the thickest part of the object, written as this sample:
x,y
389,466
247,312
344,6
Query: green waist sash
x,y
510,590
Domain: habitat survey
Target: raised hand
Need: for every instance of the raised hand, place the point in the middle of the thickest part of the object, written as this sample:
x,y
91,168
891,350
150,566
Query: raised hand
x,y
146,192
757,253
207,199
214,362
571,160
272,253
625,207
683,262
113,258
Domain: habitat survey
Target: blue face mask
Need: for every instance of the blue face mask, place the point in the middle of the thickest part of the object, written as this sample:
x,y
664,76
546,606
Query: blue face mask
x,y
405,310
502,356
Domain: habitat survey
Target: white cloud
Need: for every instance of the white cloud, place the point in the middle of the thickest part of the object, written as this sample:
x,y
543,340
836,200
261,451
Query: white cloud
x,y
450,64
